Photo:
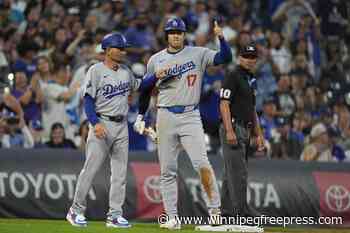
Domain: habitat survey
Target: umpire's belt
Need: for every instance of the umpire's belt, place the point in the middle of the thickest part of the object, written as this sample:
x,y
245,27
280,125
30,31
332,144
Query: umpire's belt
x,y
245,124
181,109
117,118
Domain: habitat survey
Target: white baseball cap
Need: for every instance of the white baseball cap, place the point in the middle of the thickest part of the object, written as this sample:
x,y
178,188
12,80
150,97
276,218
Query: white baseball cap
x,y
317,130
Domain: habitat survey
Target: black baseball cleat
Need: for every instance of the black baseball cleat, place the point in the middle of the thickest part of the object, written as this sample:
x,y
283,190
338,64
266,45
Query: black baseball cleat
x,y
215,217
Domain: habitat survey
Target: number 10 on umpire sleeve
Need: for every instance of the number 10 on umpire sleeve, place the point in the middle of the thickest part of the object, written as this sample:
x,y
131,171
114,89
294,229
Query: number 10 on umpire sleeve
x,y
225,93
191,79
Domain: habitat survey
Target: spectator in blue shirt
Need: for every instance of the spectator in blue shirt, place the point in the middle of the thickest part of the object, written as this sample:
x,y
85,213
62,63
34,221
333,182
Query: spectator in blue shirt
x,y
26,62
309,30
287,144
209,105
29,95
19,135
265,73
267,119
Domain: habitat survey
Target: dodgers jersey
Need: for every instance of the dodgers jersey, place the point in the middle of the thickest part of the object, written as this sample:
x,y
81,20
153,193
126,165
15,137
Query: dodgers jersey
x,y
110,88
188,67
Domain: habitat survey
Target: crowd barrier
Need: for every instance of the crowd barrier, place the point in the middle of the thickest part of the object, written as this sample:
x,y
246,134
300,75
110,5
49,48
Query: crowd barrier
x,y
41,183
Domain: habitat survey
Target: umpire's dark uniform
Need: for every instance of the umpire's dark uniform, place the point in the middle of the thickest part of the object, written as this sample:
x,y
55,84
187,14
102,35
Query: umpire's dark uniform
x,y
239,89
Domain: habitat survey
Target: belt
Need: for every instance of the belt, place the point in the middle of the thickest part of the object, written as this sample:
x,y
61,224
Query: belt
x,y
181,109
246,124
117,118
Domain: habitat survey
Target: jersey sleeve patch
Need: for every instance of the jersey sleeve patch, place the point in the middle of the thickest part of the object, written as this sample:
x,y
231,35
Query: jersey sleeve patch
x,y
225,94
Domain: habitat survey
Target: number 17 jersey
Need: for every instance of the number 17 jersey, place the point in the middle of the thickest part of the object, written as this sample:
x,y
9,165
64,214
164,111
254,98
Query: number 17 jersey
x,y
187,67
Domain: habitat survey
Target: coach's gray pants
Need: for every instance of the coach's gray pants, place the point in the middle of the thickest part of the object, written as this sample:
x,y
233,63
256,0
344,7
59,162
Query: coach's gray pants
x,y
174,132
115,146
234,183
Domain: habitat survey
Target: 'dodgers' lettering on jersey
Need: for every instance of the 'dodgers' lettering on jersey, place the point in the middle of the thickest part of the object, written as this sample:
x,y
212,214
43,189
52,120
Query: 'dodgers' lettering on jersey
x,y
109,90
177,70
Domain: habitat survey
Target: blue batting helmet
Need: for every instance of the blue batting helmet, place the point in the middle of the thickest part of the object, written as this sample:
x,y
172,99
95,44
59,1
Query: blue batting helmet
x,y
114,40
175,24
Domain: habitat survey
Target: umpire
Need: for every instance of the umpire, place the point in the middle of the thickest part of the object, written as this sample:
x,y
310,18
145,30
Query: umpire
x,y
239,130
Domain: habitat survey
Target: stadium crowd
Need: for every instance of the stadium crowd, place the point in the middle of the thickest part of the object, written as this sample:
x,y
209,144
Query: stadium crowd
x,y
303,94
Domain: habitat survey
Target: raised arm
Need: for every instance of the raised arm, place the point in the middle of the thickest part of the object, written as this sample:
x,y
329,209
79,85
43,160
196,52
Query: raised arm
x,y
224,55
12,103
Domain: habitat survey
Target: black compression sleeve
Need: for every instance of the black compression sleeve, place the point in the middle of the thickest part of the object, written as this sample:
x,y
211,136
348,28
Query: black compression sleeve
x,y
144,99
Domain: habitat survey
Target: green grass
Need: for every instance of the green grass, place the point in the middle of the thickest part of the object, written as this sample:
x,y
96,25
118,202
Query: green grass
x,y
60,226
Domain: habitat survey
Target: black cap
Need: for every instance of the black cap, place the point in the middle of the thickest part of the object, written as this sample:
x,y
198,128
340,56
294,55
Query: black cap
x,y
249,51
25,46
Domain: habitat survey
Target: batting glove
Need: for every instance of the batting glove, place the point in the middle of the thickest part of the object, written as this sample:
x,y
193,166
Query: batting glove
x,y
139,125
152,134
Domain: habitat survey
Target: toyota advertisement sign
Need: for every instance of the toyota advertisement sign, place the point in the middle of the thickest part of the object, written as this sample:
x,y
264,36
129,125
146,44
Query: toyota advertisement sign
x,y
149,199
334,190
41,184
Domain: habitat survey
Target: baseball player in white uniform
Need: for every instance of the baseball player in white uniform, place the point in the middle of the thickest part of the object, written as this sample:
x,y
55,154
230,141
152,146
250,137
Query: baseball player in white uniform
x,y
178,117
106,106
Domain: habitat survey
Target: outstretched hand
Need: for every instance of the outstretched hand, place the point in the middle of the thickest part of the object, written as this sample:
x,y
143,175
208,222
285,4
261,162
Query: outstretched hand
x,y
151,134
218,30
161,74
